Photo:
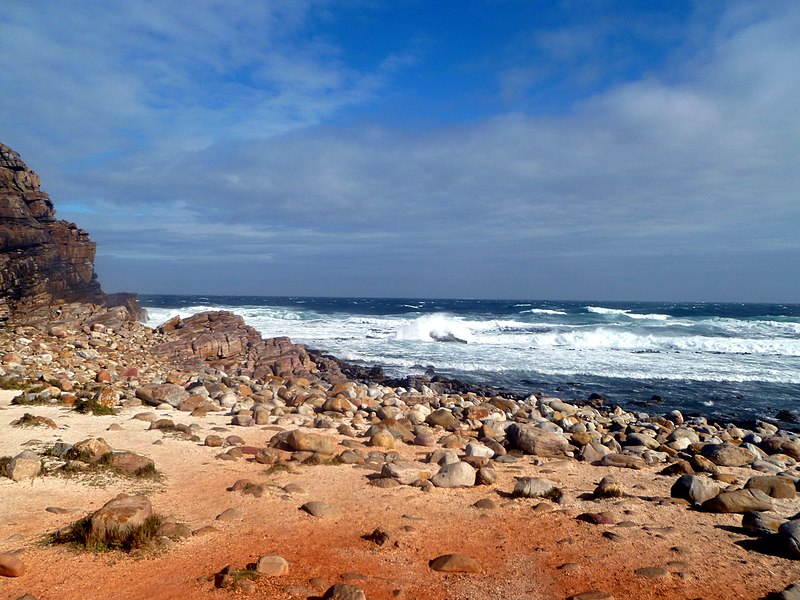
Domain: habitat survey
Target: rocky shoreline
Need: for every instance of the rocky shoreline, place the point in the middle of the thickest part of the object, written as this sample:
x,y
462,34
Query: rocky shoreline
x,y
210,383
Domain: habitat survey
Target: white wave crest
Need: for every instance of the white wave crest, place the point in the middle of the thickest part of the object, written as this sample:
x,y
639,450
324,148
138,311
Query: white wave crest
x,y
543,311
434,327
600,310
603,338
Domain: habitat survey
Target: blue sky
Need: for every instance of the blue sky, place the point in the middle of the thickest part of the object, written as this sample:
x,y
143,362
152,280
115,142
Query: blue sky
x,y
518,149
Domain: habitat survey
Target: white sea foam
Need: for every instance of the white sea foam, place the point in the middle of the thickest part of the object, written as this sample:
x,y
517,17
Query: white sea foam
x,y
600,310
434,327
543,311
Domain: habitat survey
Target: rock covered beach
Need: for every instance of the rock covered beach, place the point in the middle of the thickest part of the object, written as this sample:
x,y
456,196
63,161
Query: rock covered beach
x,y
369,486
267,470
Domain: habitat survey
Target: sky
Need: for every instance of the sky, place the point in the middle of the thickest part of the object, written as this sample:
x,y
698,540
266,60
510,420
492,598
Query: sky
x,y
460,149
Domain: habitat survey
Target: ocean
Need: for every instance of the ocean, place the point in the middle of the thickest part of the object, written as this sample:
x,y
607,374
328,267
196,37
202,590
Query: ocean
x,y
730,362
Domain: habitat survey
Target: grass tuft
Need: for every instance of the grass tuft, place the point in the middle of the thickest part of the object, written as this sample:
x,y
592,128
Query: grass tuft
x,y
80,535
277,468
6,383
86,406
4,462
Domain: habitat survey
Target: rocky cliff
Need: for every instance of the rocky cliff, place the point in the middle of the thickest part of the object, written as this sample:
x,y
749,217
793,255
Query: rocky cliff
x,y
42,260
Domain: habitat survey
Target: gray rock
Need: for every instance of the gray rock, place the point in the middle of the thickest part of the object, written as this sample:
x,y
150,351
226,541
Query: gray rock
x,y
272,566
23,466
761,523
344,591
230,514
622,461
789,536
453,475
317,508
694,488
790,592
593,452
442,456
406,471
535,487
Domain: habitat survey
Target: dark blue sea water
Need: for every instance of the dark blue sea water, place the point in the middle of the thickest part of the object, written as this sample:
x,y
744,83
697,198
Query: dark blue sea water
x,y
726,361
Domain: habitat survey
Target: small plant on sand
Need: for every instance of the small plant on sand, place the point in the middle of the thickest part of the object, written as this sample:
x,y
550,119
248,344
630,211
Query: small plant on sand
x,y
29,420
4,462
278,468
230,578
6,383
80,535
87,406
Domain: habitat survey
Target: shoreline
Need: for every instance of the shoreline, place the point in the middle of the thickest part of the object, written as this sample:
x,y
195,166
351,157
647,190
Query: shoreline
x,y
573,340
413,460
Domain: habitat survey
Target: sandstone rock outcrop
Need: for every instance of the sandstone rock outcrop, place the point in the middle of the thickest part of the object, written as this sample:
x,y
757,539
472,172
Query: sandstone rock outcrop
x,y
223,341
42,260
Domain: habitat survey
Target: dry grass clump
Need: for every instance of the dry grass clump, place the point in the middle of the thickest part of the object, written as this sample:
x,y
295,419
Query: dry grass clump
x,y
80,536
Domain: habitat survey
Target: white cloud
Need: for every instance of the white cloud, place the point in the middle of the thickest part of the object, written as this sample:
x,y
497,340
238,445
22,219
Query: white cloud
x,y
207,136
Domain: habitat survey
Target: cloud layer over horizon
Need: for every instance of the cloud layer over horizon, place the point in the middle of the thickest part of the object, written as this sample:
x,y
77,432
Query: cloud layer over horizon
x,y
351,148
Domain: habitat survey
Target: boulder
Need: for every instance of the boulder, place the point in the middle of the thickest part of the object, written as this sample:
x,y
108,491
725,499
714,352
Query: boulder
x,y
130,462
609,487
535,487
761,523
622,461
727,455
455,563
344,591
10,565
406,471
272,566
459,474
120,515
694,488
443,417
164,393
90,450
739,501
300,441
25,465
536,441
317,508
789,536
773,486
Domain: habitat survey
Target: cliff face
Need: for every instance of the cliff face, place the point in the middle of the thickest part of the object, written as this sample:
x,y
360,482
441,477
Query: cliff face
x,y
42,260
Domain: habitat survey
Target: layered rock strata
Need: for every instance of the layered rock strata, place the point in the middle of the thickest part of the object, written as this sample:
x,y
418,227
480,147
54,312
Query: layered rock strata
x,y
42,260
